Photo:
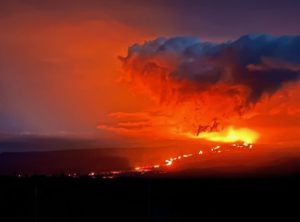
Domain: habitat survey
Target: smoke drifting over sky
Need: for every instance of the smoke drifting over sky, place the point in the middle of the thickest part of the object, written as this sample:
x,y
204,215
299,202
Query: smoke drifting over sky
x,y
216,80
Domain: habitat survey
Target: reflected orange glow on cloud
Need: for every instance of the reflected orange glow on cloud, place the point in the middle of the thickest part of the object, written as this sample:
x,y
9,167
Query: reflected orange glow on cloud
x,y
273,120
225,111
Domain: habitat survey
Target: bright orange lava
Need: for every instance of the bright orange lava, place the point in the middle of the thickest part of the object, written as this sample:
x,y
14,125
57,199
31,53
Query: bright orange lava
x,y
214,150
229,135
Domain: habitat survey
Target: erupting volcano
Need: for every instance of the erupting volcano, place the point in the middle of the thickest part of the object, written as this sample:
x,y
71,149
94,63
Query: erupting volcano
x,y
230,134
149,110
207,92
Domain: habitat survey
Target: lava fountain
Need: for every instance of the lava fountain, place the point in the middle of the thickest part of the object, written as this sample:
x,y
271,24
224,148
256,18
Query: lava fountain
x,y
229,135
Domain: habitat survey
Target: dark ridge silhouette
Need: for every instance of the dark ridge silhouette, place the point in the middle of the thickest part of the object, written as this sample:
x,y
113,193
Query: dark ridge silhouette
x,y
57,162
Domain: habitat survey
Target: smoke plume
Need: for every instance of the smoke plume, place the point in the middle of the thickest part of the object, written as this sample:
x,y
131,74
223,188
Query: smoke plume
x,y
207,82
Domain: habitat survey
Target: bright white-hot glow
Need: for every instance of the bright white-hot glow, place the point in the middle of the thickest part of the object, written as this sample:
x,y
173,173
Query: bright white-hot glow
x,y
229,135
91,174
168,162
187,155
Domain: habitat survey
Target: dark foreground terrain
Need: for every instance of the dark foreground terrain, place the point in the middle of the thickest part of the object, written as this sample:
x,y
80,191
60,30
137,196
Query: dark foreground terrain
x,y
146,199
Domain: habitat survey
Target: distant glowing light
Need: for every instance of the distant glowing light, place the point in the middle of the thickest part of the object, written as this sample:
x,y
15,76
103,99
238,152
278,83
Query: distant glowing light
x,y
187,155
108,177
216,148
168,162
91,174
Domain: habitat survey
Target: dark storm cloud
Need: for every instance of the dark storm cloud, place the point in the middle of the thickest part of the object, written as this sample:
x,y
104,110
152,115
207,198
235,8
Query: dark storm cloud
x,y
259,64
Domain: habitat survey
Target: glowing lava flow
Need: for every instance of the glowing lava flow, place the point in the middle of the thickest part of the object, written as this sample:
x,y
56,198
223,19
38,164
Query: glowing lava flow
x,y
168,163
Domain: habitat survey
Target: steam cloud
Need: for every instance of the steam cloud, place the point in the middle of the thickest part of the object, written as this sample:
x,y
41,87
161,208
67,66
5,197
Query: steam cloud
x,y
215,80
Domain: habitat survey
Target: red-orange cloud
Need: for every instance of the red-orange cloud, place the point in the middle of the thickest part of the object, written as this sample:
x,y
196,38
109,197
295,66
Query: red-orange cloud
x,y
203,86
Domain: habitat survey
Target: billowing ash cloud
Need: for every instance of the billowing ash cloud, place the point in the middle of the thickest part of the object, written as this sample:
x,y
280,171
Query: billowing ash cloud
x,y
220,78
